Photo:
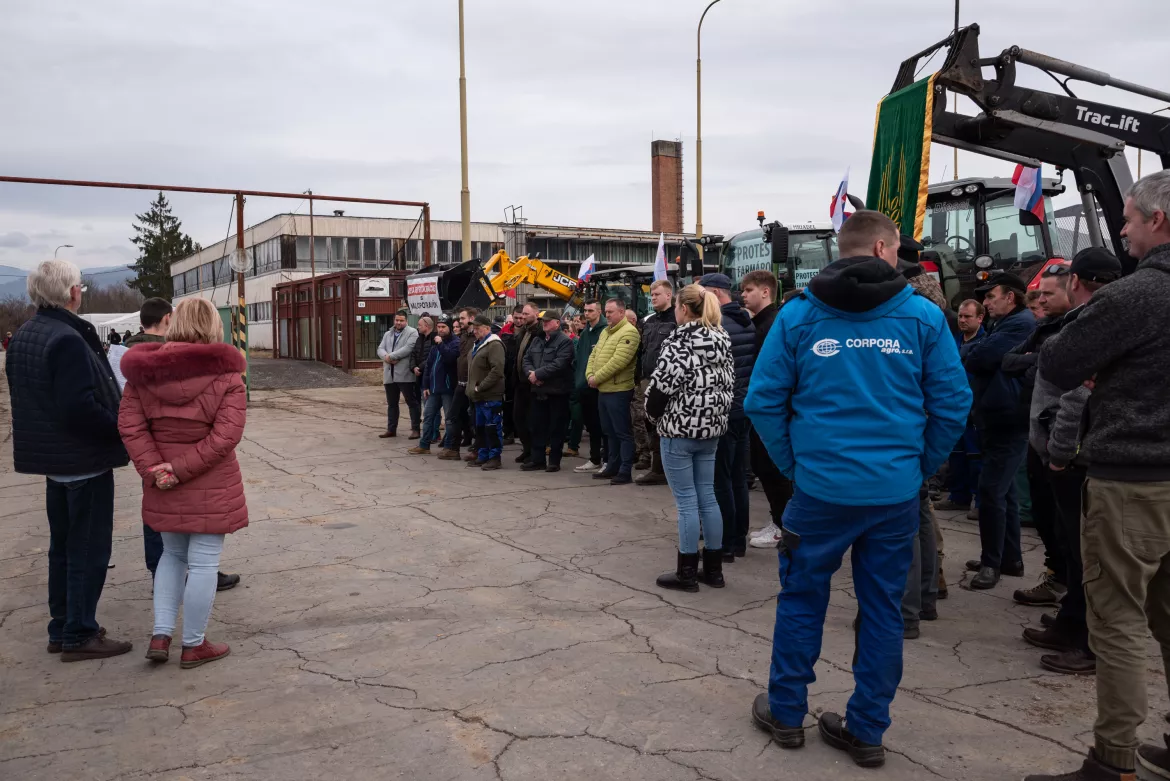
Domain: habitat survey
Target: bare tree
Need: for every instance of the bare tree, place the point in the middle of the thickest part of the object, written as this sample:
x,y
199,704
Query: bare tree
x,y
15,311
115,298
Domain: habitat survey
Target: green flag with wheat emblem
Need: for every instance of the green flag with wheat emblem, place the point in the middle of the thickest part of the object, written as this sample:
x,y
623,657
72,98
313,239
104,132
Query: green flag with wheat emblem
x,y
900,170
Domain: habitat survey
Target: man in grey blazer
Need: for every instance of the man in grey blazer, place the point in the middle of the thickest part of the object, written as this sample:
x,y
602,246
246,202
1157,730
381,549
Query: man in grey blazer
x,y
395,350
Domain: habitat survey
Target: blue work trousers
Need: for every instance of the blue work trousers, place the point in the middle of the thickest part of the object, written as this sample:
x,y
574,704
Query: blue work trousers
x,y
815,536
489,428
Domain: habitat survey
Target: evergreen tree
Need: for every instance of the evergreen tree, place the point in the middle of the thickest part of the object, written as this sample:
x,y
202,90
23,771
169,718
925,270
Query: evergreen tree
x,y
160,240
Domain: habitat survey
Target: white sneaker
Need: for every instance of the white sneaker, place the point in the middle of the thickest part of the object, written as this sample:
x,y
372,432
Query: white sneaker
x,y
767,537
588,466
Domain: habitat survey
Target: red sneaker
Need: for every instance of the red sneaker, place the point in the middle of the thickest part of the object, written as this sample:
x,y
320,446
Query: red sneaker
x,y
193,656
160,648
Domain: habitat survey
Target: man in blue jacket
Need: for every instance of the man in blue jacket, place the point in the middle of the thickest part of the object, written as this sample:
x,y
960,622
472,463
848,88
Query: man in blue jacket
x,y
858,395
1001,418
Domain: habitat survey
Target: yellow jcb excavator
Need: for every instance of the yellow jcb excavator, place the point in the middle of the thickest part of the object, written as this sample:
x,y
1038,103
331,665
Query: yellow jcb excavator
x,y
448,286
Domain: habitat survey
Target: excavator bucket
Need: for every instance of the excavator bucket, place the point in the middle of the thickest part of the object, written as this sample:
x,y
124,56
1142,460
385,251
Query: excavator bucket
x,y
448,286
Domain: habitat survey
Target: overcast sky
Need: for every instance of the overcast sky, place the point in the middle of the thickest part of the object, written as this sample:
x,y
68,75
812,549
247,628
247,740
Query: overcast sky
x,y
360,97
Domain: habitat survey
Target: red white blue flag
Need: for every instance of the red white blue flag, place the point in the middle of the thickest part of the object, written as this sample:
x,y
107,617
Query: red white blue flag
x,y
588,266
837,207
660,258
1029,191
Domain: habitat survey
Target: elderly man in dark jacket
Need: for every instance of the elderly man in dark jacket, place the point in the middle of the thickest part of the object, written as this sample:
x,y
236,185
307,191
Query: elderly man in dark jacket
x,y
1001,418
731,459
65,426
548,371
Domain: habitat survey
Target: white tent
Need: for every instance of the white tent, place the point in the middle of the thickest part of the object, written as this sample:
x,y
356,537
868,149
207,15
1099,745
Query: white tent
x,y
107,322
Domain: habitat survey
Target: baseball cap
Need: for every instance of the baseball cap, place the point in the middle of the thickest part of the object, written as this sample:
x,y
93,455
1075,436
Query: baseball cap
x,y
444,319
997,278
482,319
908,249
550,314
1095,264
720,281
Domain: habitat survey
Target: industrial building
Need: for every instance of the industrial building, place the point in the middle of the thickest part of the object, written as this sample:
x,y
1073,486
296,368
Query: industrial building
x,y
278,251
346,250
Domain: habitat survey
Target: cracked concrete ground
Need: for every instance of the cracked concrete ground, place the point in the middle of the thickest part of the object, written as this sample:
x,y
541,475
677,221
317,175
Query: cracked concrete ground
x,y
401,617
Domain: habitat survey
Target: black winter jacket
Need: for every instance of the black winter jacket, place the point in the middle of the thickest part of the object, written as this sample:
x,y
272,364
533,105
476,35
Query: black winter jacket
x,y
1122,337
1021,361
552,360
997,395
64,398
656,326
737,322
422,351
762,322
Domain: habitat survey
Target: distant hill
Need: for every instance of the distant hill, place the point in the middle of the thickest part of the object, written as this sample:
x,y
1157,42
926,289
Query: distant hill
x,y
12,279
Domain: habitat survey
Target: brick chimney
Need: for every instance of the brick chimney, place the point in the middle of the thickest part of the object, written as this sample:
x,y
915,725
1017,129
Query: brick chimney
x,y
666,184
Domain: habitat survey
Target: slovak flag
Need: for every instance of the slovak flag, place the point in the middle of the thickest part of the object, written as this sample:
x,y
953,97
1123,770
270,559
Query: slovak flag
x,y
660,258
837,207
1029,191
588,266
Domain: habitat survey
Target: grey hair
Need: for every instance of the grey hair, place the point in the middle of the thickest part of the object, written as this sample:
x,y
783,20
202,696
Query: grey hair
x,y
1152,194
49,284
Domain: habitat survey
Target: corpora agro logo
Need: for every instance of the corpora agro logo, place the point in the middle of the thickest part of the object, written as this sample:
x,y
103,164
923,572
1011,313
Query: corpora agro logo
x,y
829,347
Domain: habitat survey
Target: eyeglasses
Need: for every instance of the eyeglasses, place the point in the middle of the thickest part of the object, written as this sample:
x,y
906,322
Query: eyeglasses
x,y
1056,270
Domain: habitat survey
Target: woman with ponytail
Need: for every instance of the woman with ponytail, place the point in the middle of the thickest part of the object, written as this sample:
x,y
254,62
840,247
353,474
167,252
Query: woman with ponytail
x,y
689,398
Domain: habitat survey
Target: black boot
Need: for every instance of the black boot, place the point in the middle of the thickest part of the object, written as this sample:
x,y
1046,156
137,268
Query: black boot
x,y
686,574
712,571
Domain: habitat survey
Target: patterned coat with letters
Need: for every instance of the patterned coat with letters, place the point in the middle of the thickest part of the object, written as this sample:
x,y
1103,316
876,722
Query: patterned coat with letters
x,y
693,384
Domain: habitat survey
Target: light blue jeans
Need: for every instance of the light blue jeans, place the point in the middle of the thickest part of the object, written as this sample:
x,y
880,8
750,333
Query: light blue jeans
x,y
690,470
195,559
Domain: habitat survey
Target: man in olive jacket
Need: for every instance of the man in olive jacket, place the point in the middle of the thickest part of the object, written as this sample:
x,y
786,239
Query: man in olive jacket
x,y
485,388
611,372
548,372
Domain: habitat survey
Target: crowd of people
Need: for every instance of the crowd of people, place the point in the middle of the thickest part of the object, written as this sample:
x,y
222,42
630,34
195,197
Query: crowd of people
x,y
842,401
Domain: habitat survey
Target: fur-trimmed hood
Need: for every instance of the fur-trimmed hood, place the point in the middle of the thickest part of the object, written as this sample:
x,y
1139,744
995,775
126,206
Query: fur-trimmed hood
x,y
179,371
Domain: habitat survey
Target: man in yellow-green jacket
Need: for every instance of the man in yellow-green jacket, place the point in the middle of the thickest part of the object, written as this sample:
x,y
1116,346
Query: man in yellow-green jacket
x,y
611,372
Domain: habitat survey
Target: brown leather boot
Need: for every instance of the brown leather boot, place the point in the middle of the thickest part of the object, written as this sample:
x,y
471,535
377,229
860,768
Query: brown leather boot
x,y
97,647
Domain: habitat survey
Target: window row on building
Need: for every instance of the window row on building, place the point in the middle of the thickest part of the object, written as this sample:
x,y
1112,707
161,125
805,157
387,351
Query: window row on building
x,y
292,253
260,312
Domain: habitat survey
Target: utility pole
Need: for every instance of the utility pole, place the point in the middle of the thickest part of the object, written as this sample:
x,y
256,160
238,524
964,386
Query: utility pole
x,y
241,324
313,274
699,128
465,193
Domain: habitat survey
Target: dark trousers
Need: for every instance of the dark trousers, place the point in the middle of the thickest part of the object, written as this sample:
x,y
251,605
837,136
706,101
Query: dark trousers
x,y
458,424
548,420
1044,516
409,391
777,487
963,469
1067,490
731,486
922,582
591,420
816,536
999,509
152,545
614,411
489,426
576,421
520,409
81,530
